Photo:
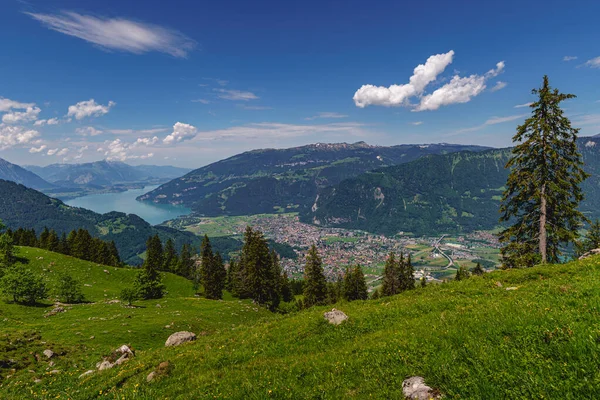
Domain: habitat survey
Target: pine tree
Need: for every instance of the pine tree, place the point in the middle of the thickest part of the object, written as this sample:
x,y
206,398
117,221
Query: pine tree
x,y
315,284
355,286
409,274
44,238
170,256
212,271
7,250
591,240
391,277
63,246
114,254
424,281
462,274
255,277
286,288
53,243
185,267
478,270
148,283
543,189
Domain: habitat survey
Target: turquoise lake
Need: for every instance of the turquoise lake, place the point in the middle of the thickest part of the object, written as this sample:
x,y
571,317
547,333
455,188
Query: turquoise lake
x,y
125,202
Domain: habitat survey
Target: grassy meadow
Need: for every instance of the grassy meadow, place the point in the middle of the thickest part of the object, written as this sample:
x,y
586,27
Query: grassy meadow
x,y
472,339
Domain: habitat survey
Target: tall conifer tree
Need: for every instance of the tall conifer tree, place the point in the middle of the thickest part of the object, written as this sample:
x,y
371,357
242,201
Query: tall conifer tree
x,y
543,189
315,284
391,277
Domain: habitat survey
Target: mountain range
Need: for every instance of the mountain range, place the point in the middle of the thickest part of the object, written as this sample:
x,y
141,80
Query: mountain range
x,y
451,193
15,173
105,173
280,180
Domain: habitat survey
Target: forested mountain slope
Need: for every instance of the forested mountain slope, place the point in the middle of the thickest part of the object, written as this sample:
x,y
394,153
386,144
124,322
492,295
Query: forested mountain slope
x,y
15,173
276,180
458,192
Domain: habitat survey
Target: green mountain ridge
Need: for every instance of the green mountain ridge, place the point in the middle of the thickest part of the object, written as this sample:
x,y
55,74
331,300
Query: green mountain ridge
x,y
15,173
279,180
452,193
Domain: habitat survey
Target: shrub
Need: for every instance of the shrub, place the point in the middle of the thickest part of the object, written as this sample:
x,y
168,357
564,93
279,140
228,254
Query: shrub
x,y
128,295
23,286
69,289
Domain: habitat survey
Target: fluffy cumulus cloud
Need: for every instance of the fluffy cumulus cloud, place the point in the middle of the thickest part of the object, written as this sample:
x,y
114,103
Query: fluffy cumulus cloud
x,y
458,90
42,122
238,95
180,133
35,150
120,150
593,63
19,117
118,33
399,95
8,104
11,136
89,108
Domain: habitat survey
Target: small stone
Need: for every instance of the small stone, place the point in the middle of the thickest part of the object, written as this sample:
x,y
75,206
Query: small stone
x,y
414,388
55,371
335,317
49,353
151,376
512,288
86,373
158,305
37,380
51,364
499,284
92,337
180,337
105,365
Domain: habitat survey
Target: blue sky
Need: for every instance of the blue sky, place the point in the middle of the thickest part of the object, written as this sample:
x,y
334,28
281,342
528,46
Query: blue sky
x,y
188,83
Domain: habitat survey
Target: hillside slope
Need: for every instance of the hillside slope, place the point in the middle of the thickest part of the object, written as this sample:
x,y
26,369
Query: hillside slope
x,y
275,180
457,192
473,339
27,208
14,173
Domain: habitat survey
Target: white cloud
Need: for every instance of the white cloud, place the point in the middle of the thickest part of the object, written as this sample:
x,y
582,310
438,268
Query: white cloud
x,y
569,58
181,132
492,121
398,95
8,104
587,119
146,141
42,122
276,131
229,94
38,149
458,90
499,86
137,131
88,131
417,123
11,136
52,152
327,115
16,117
593,63
89,108
523,105
62,152
203,101
119,33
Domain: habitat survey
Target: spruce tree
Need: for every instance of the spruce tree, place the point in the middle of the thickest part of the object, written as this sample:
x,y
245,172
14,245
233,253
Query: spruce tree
x,y
315,284
7,250
355,286
543,188
148,283
212,271
478,270
169,256
44,238
53,243
409,274
391,277
286,288
462,274
185,267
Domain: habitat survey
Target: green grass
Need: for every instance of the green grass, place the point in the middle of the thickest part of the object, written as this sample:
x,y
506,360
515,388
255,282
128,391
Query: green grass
x,y
470,339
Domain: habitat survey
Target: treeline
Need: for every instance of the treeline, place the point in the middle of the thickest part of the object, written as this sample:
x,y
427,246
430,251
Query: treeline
x,y
78,243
